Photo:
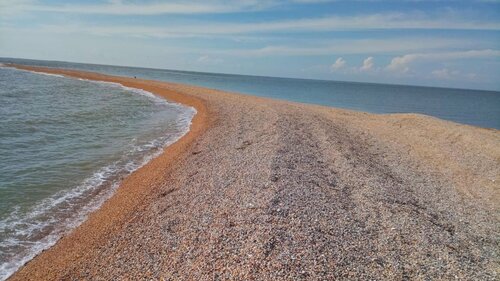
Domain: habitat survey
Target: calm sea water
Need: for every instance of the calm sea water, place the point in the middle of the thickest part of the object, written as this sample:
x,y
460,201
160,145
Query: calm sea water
x,y
64,145
474,107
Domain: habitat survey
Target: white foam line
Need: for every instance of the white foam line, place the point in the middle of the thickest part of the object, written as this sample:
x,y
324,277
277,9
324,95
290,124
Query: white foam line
x,y
48,74
31,71
9,268
135,90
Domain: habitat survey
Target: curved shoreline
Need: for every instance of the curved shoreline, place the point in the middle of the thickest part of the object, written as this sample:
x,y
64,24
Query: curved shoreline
x,y
272,190
132,189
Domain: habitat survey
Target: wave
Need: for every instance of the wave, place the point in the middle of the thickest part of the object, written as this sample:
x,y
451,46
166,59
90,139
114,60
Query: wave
x,y
142,92
31,71
56,216
47,74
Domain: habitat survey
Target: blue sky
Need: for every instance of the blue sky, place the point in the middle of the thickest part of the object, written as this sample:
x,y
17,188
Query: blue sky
x,y
435,43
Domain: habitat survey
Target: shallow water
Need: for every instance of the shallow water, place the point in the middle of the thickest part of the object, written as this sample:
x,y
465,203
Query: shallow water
x,y
64,146
474,107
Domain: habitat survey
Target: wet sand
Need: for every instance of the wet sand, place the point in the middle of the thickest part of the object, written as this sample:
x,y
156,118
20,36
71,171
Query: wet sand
x,y
263,189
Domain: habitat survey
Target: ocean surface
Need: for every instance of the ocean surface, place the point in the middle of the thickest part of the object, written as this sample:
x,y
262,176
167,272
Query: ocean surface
x,y
65,144
473,107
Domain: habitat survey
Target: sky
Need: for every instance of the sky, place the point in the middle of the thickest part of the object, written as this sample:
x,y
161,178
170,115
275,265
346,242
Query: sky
x,y
432,43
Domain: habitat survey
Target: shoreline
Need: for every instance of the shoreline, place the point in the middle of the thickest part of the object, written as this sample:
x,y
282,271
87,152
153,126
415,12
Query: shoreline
x,y
108,186
253,173
112,210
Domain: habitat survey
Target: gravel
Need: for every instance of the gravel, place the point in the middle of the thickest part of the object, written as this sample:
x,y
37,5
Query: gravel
x,y
273,190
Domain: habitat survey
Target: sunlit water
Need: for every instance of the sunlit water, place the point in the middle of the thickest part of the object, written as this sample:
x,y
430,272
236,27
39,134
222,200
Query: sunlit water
x,y
64,146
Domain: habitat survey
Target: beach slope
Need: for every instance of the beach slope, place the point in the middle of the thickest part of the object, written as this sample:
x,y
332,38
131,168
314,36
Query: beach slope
x,y
261,189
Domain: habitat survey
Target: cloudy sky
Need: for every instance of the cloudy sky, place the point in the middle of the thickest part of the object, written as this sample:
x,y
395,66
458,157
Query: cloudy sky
x,y
437,43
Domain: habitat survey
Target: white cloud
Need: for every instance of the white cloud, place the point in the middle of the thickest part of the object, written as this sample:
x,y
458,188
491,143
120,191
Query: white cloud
x,y
444,73
367,64
339,64
448,74
402,64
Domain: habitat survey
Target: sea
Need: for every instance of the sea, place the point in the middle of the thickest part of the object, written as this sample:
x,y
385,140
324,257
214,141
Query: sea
x,y
473,107
65,144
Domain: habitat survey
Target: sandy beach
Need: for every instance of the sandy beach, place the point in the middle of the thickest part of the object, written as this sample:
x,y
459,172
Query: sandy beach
x,y
263,189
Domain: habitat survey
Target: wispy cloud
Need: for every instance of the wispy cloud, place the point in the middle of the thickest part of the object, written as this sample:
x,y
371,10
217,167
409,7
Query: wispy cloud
x,y
380,21
206,59
11,8
402,63
155,8
448,74
297,47
337,23
351,47
118,7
